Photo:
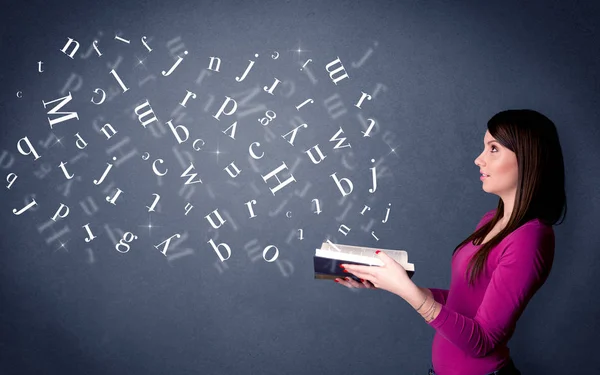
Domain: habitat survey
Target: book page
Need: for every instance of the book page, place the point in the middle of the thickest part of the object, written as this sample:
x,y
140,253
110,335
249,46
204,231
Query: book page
x,y
400,256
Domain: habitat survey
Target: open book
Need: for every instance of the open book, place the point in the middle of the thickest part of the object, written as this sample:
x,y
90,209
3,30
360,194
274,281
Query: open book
x,y
328,258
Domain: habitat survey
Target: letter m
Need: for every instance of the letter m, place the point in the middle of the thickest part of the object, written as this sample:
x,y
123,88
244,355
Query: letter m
x,y
54,111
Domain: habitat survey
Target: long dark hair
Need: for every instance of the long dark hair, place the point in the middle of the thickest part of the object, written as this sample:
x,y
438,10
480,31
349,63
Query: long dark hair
x,y
541,183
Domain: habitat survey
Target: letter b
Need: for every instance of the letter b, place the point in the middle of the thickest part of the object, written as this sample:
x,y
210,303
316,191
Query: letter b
x,y
174,129
216,248
339,184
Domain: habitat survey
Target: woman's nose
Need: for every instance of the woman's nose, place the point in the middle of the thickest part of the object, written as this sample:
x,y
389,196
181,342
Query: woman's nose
x,y
478,160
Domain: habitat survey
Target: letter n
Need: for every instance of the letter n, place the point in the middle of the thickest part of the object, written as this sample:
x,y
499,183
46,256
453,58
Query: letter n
x,y
218,216
75,48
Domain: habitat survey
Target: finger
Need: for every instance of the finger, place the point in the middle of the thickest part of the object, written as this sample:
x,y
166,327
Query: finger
x,y
354,267
384,257
362,275
343,282
369,285
354,283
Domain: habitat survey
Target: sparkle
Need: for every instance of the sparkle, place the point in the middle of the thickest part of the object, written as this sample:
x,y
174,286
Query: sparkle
x,y
392,150
58,140
63,246
217,152
140,62
299,51
149,226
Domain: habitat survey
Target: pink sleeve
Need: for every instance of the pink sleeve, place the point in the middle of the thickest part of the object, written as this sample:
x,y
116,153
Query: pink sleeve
x,y
522,269
439,295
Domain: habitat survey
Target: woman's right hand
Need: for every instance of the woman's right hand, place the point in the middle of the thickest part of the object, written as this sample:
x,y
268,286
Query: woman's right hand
x,y
351,283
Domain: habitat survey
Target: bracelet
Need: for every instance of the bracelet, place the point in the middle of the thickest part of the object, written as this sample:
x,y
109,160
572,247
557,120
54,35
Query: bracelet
x,y
430,311
426,313
432,314
423,302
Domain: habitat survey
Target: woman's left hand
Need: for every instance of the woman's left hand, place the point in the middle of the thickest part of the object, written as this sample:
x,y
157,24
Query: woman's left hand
x,y
391,276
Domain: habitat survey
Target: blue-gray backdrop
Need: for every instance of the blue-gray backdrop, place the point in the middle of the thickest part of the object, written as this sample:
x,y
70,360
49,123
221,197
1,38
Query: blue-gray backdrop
x,y
149,294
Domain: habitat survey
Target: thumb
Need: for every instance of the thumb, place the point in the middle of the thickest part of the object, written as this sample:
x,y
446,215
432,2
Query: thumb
x,y
383,256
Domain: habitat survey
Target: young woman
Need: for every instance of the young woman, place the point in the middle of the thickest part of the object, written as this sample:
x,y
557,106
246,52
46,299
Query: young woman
x,y
501,265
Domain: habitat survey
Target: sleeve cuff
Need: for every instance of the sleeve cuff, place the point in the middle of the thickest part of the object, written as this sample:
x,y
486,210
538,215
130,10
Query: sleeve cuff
x,y
440,319
438,295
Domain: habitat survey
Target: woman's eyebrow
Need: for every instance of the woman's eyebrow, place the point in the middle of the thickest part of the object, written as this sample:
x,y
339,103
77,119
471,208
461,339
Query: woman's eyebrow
x,y
493,140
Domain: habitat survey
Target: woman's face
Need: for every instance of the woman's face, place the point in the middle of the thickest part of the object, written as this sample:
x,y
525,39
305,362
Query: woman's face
x,y
501,165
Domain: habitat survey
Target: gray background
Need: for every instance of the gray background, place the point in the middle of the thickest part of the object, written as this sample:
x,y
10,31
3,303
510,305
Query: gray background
x,y
440,70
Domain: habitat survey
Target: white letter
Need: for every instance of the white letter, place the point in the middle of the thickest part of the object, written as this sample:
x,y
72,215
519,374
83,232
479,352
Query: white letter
x,y
210,220
321,156
237,170
79,139
270,90
89,232
249,204
156,171
216,247
339,185
186,133
101,100
293,132
58,214
340,140
31,204
187,96
30,148
344,230
150,112
363,97
64,169
190,175
222,109
113,199
274,173
332,73
151,209
54,111
167,242
210,65
304,103
10,179
251,151
64,49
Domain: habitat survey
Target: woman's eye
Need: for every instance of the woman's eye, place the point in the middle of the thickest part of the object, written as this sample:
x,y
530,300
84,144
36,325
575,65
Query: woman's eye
x,y
494,148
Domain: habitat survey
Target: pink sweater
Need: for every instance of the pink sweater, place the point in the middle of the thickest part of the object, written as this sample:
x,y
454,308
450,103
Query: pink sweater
x,y
475,324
